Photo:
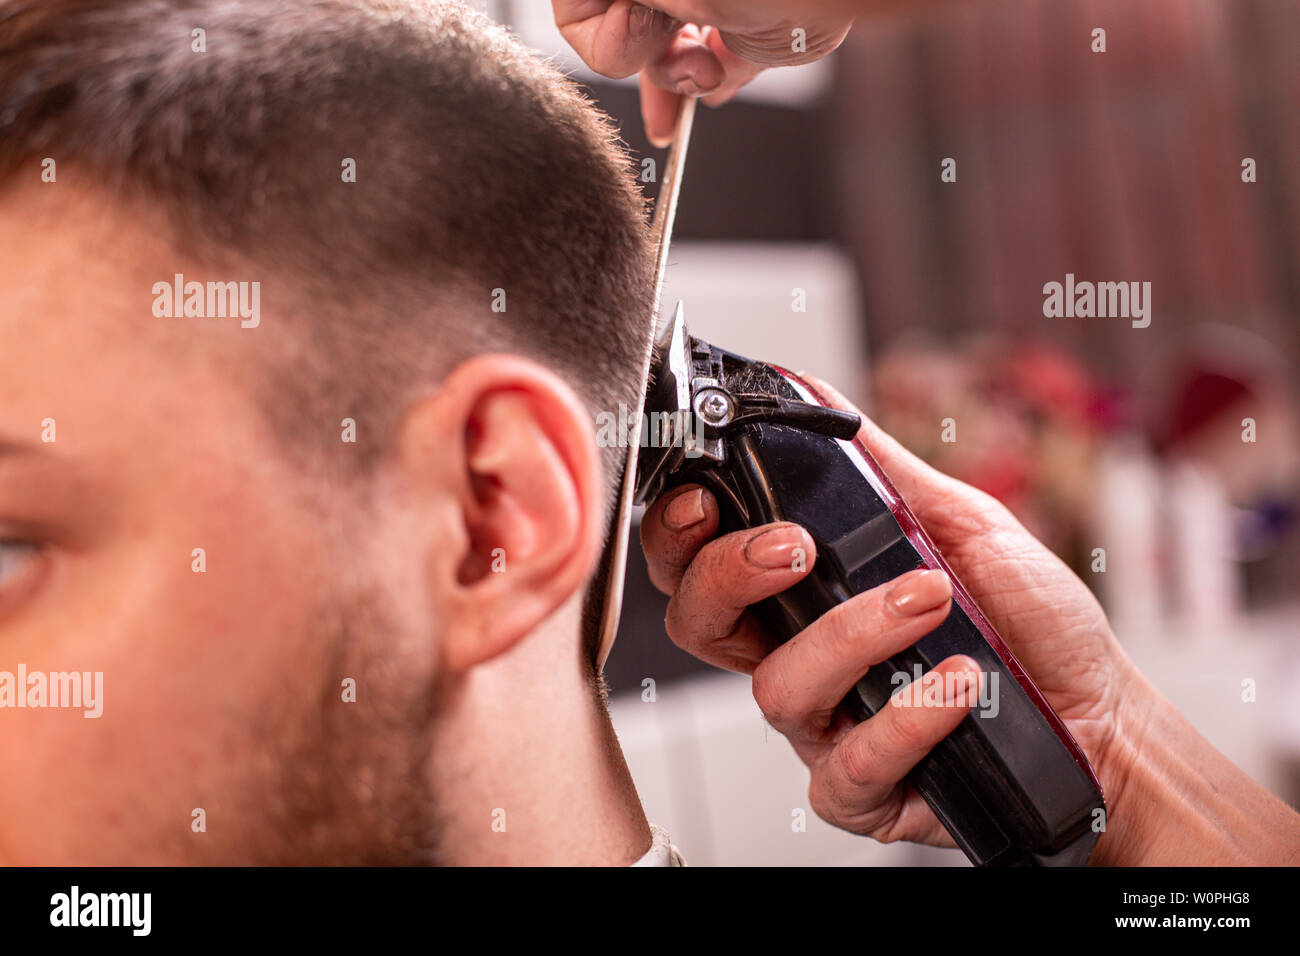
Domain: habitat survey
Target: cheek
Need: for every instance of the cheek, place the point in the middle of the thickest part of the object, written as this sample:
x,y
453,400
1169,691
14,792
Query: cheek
x,y
409,631
200,669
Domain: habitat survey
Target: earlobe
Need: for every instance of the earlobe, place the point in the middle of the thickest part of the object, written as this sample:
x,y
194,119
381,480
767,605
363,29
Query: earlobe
x,y
529,497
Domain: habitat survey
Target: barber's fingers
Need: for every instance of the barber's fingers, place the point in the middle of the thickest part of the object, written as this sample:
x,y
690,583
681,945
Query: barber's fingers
x,y
707,614
737,71
716,80
615,38
679,50
658,111
684,63
801,683
673,529
858,784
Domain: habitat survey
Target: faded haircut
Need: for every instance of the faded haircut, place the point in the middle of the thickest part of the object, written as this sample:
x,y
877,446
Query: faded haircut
x,y
478,168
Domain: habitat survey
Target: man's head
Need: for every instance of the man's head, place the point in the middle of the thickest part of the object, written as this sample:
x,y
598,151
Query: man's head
x,y
353,461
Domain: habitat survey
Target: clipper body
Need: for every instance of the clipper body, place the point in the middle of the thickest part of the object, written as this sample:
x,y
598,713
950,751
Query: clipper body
x,y
1010,783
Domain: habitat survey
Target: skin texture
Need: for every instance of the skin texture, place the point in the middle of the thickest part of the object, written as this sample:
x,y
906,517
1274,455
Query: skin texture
x,y
705,49
223,690
1172,798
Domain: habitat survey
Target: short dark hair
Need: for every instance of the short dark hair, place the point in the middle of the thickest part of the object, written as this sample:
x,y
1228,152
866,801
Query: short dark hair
x,y
478,167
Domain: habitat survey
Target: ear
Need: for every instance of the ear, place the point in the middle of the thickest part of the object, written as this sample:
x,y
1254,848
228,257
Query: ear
x,y
509,451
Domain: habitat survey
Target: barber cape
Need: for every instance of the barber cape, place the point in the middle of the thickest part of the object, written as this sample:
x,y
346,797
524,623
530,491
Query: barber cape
x,y
661,852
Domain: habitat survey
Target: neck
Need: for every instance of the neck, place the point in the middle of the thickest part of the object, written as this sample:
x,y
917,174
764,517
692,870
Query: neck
x,y
527,769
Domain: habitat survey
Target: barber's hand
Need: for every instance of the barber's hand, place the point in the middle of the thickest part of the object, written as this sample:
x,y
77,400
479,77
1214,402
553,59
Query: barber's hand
x,y
1043,611
708,48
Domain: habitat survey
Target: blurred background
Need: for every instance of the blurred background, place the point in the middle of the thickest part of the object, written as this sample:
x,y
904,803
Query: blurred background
x,y
1175,447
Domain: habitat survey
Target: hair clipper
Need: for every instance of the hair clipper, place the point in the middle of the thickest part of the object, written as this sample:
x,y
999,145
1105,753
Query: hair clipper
x,y
1010,783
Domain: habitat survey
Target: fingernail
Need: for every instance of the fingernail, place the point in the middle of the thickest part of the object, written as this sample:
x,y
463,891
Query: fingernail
x,y
688,87
917,592
659,142
685,510
778,548
962,686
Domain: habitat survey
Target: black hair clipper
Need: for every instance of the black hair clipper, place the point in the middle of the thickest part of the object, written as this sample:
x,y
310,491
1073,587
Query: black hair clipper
x,y
1010,783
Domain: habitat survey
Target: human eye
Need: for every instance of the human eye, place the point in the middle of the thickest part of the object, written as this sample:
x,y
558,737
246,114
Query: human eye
x,y
17,561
